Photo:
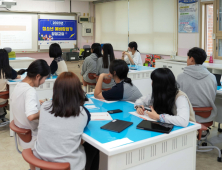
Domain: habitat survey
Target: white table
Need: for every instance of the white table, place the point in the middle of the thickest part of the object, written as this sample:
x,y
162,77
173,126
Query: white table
x,y
149,150
218,103
43,91
141,79
20,62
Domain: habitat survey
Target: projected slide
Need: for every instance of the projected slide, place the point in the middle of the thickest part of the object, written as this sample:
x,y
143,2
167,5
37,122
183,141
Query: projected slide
x,y
16,31
58,31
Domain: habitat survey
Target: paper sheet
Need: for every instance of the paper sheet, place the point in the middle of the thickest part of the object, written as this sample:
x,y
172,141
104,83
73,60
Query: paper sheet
x,y
100,116
90,106
89,102
117,143
104,100
90,93
145,117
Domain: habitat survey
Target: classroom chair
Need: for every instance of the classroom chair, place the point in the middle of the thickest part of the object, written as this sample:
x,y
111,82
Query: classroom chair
x,y
92,76
24,134
43,165
4,95
205,112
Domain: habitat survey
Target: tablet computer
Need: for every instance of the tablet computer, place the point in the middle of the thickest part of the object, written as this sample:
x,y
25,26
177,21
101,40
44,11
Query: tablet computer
x,y
155,126
117,125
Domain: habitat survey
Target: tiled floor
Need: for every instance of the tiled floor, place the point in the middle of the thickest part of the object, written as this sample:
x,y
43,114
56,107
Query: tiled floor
x,y
10,159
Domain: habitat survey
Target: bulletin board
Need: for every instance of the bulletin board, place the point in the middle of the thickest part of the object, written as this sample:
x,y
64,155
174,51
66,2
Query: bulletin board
x,y
188,16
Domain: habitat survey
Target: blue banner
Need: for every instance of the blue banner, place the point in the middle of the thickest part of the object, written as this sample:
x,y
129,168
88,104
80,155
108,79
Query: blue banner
x,y
56,30
188,1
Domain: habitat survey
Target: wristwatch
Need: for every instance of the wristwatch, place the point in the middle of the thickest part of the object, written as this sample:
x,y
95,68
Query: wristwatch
x,y
138,107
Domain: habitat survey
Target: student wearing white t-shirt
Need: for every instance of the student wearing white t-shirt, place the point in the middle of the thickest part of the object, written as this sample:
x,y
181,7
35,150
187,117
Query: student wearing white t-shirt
x,y
25,103
132,57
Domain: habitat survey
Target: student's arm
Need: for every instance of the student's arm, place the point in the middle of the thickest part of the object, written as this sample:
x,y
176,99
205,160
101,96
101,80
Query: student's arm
x,y
53,67
137,58
34,116
31,105
98,88
140,103
182,117
130,58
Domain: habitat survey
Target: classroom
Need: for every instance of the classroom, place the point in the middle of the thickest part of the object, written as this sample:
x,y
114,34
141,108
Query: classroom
x,y
110,84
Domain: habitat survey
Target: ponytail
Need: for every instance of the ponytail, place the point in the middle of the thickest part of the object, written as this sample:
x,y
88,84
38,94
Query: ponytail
x,y
134,45
128,80
121,69
36,67
22,71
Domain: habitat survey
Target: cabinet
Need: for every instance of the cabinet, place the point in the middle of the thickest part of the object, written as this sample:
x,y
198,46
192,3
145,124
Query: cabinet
x,y
176,68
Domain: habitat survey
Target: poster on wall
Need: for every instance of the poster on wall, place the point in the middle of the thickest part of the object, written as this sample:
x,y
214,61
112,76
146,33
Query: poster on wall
x,y
188,16
62,32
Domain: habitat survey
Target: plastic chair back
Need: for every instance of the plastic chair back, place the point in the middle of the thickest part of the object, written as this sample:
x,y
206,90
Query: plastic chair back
x,y
43,165
24,134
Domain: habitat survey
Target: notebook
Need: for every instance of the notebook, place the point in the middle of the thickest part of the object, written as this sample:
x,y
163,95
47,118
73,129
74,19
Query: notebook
x,y
155,126
117,125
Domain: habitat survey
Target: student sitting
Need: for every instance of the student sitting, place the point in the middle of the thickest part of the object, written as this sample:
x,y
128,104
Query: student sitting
x,y
89,65
58,65
198,83
6,72
133,57
124,88
25,103
104,62
168,104
61,125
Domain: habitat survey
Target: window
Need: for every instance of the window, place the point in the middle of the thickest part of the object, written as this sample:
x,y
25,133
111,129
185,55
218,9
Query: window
x,y
151,23
207,31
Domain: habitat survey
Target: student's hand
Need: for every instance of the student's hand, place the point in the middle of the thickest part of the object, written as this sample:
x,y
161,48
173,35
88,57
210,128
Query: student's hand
x,y
18,77
153,114
140,110
41,102
126,53
123,53
106,75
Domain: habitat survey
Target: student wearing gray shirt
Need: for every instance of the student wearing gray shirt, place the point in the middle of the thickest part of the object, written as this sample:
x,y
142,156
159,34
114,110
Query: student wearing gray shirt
x,y
61,125
89,65
104,62
124,88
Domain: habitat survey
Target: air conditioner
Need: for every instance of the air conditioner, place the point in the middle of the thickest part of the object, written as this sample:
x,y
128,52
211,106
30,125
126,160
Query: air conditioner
x,y
7,3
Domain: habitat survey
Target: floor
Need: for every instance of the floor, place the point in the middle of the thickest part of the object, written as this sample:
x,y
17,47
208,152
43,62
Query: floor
x,y
10,159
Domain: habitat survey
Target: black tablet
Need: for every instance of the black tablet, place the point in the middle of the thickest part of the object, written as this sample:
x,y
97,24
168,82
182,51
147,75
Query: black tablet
x,y
117,125
155,126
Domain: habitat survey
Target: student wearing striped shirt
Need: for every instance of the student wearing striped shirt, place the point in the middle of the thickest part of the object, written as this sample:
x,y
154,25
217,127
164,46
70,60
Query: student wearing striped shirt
x,y
123,90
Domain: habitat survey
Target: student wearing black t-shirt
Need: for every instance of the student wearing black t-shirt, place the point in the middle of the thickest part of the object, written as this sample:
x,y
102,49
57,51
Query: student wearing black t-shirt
x,y
6,72
124,88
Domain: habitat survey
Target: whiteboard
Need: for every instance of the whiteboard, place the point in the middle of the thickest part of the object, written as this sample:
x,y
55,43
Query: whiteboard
x,y
65,44
18,31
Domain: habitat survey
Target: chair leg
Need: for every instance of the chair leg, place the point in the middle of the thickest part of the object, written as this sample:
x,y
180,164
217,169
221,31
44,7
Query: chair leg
x,y
16,143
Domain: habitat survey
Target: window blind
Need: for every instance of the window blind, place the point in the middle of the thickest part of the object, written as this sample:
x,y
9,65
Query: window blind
x,y
112,24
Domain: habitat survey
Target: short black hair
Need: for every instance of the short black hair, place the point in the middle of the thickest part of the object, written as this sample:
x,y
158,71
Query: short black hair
x,y
198,54
121,69
55,50
96,47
